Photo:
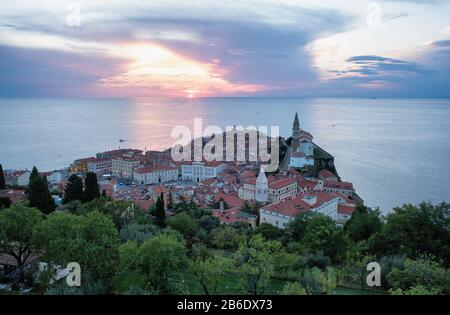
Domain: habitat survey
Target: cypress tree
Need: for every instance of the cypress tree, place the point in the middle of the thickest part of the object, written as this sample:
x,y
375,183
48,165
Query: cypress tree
x,y
74,189
2,178
34,173
160,214
91,190
39,194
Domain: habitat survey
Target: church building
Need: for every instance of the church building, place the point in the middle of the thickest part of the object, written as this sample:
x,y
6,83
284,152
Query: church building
x,y
302,147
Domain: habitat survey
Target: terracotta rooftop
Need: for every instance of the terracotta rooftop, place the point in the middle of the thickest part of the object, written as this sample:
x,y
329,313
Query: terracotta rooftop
x,y
156,168
282,183
326,174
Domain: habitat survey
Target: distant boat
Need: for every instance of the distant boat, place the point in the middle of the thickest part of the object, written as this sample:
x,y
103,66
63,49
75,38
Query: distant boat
x,y
121,140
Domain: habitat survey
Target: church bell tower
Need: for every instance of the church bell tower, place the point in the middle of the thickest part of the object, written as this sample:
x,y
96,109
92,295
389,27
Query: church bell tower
x,y
295,134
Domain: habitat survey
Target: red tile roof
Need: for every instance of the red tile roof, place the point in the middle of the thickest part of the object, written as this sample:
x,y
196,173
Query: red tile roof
x,y
156,168
290,207
325,174
345,209
338,185
282,183
230,200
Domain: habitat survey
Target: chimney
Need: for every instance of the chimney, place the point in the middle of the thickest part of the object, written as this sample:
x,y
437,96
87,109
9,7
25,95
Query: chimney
x,y
311,200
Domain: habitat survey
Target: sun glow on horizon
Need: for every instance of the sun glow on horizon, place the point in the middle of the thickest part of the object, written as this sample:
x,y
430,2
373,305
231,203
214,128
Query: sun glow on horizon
x,y
156,67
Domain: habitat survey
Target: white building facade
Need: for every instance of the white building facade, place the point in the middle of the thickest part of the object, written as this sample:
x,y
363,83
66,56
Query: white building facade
x,y
198,171
17,178
124,167
100,166
154,175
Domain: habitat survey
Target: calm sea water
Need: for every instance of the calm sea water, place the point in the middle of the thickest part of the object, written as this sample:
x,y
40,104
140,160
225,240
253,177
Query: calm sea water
x,y
393,150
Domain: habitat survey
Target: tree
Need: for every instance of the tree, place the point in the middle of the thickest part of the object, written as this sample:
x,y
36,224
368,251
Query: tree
x,y
39,195
321,233
269,231
34,174
91,190
293,288
210,272
2,178
416,230
363,223
421,272
17,225
91,240
296,228
226,237
417,290
129,256
160,260
138,232
184,224
160,213
74,189
5,202
315,281
256,263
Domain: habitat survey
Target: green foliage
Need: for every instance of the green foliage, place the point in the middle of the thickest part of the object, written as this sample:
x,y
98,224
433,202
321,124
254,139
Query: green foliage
x,y
308,260
2,178
138,232
17,225
389,263
5,202
88,286
293,288
210,272
90,240
315,281
129,256
226,237
34,174
417,290
38,193
354,271
269,231
160,259
256,263
122,212
160,213
74,189
423,271
91,190
363,223
321,233
184,224
416,230
71,207
208,223
296,228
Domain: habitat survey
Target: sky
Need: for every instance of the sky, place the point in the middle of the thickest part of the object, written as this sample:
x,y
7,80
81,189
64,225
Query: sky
x,y
209,48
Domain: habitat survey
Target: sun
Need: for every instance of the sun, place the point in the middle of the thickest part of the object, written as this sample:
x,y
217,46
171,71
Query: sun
x,y
190,93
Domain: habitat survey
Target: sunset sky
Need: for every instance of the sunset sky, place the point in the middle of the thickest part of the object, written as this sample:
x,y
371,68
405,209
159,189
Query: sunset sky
x,y
389,48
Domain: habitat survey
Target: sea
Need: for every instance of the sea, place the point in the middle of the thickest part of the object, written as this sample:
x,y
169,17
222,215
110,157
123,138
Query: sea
x,y
395,151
